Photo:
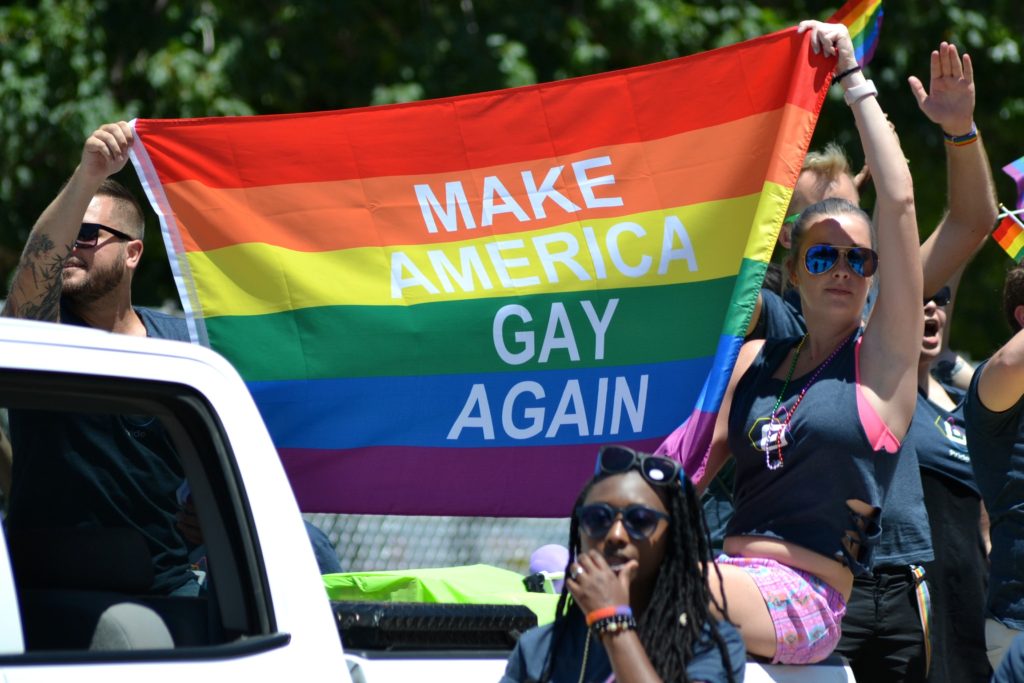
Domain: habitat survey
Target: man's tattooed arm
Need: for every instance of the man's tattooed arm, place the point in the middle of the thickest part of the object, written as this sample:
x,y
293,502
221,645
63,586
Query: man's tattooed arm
x,y
35,292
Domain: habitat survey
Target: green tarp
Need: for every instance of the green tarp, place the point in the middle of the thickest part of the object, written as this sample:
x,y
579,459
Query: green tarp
x,y
479,584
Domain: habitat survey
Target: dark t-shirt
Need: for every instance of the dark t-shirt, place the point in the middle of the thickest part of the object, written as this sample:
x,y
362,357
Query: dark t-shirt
x,y
781,316
906,536
527,660
97,469
941,441
996,444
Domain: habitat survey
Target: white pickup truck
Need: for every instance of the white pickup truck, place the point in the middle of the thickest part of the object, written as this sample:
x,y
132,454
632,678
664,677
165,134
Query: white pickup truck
x,y
267,615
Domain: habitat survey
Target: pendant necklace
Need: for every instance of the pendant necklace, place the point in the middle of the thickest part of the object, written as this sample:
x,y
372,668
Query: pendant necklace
x,y
773,463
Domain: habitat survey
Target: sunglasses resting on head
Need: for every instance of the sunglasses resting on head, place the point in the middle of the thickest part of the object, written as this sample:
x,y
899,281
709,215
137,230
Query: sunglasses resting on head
x,y
657,470
89,235
640,521
821,258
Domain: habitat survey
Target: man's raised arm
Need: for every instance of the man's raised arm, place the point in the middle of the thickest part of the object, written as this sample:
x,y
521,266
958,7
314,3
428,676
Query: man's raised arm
x,y
36,288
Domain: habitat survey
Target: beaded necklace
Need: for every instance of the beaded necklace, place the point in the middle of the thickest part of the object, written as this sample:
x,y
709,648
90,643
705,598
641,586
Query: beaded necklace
x,y
774,464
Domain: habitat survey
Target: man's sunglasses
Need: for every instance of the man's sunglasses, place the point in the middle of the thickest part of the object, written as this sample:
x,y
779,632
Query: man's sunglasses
x,y
89,235
597,519
657,470
822,258
941,297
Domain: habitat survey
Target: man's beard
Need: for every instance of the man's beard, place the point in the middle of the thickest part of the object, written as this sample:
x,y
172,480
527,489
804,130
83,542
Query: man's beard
x,y
95,284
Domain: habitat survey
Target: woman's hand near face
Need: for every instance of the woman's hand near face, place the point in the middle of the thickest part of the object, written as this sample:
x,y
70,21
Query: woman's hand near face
x,y
596,585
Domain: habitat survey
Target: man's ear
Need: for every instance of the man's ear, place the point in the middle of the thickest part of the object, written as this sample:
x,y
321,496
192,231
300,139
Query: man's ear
x,y
132,254
1018,315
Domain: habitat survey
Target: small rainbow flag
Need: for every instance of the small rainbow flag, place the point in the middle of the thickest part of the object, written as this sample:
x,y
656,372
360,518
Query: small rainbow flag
x,y
1010,234
864,19
444,307
1010,231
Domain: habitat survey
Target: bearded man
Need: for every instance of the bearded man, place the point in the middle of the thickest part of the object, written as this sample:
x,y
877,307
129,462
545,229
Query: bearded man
x,y
88,471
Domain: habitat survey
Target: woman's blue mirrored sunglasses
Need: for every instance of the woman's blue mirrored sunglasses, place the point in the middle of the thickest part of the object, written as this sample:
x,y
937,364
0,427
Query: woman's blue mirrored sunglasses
x,y
821,258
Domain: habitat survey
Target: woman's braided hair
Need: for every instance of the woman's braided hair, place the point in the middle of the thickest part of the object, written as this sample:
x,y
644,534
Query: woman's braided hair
x,y
681,587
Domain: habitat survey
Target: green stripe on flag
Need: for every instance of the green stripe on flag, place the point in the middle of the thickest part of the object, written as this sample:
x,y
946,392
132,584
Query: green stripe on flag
x,y
748,284
647,325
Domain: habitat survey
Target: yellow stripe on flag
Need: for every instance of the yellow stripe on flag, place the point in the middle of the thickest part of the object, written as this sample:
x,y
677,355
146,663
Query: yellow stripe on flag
x,y
667,247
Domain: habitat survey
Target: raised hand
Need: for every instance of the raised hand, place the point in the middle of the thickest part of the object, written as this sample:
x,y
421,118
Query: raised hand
x,y
106,151
831,40
949,102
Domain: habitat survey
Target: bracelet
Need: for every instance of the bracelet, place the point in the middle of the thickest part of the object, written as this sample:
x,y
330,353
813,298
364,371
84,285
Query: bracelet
x,y
851,70
614,624
961,140
859,92
609,612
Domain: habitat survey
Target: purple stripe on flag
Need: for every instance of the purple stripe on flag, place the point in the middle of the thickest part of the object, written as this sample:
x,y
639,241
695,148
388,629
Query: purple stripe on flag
x,y
689,444
540,481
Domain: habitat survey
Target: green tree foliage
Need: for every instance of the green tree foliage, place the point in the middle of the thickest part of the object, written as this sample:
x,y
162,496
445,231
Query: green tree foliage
x,y
69,65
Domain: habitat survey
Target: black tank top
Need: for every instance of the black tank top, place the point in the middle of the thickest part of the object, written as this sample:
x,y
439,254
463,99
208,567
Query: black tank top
x,y
827,458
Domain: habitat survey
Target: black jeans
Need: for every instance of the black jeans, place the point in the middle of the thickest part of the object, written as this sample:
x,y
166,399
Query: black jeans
x,y
957,580
882,635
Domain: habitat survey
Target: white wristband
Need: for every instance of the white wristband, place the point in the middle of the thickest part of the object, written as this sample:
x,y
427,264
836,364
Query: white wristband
x,y
859,92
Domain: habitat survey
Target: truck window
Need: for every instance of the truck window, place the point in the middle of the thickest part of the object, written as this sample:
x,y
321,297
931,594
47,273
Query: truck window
x,y
124,513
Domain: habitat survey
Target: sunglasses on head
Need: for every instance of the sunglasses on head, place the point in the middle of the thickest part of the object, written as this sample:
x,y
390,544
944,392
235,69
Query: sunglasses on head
x,y
597,519
657,470
822,258
89,235
941,297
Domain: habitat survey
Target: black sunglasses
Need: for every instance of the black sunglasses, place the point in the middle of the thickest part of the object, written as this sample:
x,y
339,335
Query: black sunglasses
x,y
657,470
941,297
822,258
597,519
89,235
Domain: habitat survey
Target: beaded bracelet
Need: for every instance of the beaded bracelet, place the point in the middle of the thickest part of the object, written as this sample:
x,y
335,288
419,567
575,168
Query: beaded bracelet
x,y
962,140
614,624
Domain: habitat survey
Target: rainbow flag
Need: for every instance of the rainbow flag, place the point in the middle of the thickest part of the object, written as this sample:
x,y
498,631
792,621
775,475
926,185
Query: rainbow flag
x,y
864,19
443,307
1009,233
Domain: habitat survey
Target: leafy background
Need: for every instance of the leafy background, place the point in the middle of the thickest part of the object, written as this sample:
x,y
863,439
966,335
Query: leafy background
x,y
67,66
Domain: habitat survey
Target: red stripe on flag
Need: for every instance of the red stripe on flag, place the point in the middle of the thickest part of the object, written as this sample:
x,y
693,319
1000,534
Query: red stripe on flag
x,y
1006,232
488,129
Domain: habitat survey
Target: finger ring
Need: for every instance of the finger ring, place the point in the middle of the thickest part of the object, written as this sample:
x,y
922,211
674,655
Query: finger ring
x,y
576,572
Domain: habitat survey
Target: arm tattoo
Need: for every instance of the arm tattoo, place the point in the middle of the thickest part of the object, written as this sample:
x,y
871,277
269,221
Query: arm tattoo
x,y
43,265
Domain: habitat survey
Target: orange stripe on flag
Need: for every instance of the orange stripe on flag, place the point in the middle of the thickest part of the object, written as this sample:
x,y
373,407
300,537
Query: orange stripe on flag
x,y
685,169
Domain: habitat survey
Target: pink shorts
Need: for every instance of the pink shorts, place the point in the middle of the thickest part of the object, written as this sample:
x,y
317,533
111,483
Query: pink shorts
x,y
805,610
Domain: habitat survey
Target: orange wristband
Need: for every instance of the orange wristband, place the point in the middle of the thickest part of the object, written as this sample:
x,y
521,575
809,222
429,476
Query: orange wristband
x,y
605,612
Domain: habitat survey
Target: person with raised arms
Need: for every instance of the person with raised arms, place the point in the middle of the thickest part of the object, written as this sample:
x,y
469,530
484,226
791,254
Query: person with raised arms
x,y
814,422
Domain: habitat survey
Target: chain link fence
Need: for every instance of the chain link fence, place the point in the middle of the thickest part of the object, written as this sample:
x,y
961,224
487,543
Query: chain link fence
x,y
389,542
